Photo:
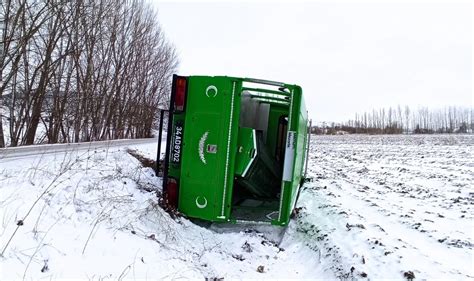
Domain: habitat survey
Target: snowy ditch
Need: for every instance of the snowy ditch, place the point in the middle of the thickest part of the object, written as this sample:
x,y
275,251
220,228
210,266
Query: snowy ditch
x,y
376,207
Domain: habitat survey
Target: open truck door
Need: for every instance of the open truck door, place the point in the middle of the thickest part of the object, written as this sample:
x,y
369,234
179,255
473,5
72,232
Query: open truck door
x,y
236,148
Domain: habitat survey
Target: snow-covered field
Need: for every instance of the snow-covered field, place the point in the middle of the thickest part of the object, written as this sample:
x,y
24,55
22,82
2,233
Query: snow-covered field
x,y
391,206
377,207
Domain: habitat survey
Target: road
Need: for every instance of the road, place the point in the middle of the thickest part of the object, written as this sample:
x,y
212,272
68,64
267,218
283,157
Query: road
x,y
15,153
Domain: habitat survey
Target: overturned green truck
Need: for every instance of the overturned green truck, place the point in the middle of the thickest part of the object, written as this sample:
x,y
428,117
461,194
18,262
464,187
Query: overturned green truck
x,y
236,149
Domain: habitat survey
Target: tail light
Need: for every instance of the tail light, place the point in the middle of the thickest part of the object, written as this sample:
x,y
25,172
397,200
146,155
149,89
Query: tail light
x,y
180,93
172,193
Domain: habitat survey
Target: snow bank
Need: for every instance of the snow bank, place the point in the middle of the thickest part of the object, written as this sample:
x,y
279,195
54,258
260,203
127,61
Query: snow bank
x,y
86,214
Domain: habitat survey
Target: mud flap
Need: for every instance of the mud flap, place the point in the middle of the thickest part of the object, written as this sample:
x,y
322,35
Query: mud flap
x,y
160,163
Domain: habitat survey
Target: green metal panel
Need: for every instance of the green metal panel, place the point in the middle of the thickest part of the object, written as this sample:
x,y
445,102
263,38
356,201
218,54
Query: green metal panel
x,y
246,150
276,111
262,178
209,147
294,155
175,167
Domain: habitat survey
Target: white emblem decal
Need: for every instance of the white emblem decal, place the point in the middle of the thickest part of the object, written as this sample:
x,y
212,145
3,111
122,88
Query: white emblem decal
x,y
201,206
212,148
210,94
202,142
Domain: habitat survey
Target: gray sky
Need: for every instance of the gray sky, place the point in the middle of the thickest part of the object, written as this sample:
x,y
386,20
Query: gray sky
x,y
348,57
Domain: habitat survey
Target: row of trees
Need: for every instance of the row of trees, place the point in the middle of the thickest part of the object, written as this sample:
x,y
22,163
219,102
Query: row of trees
x,y
82,70
450,119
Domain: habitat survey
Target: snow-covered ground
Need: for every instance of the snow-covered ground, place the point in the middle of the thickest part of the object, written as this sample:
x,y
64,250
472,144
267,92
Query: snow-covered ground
x,y
391,206
377,207
88,214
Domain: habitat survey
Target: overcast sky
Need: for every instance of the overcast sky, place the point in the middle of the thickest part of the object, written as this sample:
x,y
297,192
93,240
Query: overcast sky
x,y
347,57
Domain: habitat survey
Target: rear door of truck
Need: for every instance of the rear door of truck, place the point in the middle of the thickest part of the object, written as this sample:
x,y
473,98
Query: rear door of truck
x,y
209,134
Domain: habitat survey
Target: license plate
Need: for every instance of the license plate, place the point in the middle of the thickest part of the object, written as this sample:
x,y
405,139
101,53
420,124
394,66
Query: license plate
x,y
177,143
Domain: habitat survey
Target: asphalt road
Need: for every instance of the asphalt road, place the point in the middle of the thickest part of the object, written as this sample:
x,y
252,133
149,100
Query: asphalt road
x,y
11,153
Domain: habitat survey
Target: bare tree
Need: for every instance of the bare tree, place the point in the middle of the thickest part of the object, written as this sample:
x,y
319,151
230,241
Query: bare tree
x,y
82,70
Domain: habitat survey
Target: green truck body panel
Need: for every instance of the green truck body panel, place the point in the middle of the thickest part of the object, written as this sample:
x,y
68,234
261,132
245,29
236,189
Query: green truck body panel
x,y
246,153
205,175
235,150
